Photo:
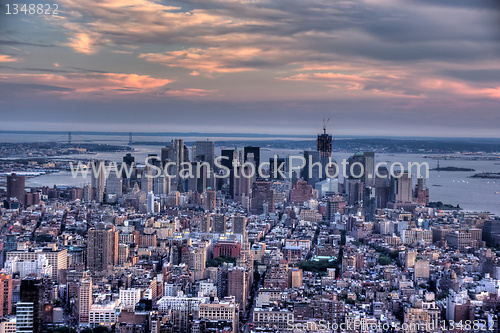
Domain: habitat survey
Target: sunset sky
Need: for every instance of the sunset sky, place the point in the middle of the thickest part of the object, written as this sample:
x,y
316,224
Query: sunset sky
x,y
376,67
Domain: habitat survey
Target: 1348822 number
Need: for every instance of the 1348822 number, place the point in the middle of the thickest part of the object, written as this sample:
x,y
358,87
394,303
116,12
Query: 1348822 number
x,y
32,9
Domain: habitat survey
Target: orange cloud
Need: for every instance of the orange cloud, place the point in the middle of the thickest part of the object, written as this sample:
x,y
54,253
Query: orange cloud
x,y
212,60
6,58
78,83
190,92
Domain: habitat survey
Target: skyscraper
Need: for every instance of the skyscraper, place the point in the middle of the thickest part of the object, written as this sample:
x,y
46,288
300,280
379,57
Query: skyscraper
x,y
32,292
16,187
228,156
220,223
98,180
262,197
102,247
239,224
5,294
204,151
313,170
252,150
277,164
404,189
84,299
324,146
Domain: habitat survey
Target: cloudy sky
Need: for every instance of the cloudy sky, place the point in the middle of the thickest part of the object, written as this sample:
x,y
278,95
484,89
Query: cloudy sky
x,y
376,67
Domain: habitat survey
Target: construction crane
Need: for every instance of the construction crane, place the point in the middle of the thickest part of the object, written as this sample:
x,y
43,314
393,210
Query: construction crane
x,y
325,122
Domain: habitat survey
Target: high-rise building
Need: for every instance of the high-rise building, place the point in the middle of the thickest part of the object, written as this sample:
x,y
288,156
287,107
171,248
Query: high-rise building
x,y
16,187
210,200
242,183
129,161
277,164
102,248
113,187
422,269
313,170
204,151
32,292
239,224
324,146
404,188
491,232
262,198
238,286
224,310
220,223
177,153
5,294
98,180
227,158
151,202
198,183
256,154
422,192
84,299
295,277
301,192
25,318
369,165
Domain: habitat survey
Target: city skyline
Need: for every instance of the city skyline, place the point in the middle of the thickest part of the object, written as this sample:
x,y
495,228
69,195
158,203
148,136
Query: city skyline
x,y
375,67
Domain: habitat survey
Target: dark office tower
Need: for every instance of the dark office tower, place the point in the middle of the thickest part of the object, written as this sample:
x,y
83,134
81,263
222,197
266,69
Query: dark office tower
x,y
16,187
356,192
369,165
220,224
256,154
491,232
198,183
128,159
102,247
262,198
334,205
313,168
369,203
239,224
129,162
177,153
278,164
228,156
382,188
242,183
357,170
222,281
154,160
204,151
324,146
32,291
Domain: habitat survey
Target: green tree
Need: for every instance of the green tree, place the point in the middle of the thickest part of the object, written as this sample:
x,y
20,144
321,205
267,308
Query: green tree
x,y
384,260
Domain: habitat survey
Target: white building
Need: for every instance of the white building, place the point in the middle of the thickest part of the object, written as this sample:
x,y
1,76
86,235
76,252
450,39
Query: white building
x,y
104,314
8,326
130,297
39,266
24,317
